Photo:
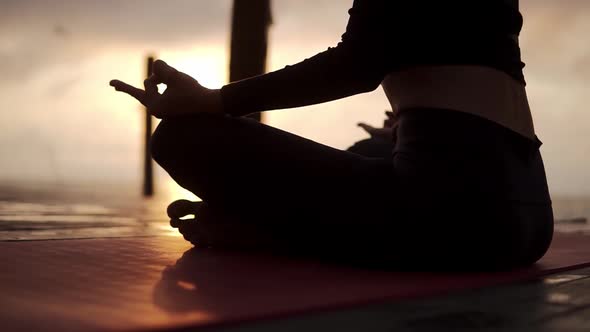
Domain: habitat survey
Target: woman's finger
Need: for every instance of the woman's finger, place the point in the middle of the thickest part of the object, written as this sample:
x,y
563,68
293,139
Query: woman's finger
x,y
134,92
365,126
163,73
150,85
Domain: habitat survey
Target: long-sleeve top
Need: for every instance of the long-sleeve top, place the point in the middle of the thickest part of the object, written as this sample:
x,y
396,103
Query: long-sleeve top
x,y
383,37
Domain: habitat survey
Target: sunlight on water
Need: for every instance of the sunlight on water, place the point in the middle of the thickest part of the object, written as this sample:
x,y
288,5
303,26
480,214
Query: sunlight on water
x,y
53,212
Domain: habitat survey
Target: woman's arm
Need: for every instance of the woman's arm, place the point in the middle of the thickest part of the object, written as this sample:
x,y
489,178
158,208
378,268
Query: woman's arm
x,y
358,64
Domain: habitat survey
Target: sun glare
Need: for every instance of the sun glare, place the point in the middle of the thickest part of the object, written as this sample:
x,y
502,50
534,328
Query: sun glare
x,y
206,65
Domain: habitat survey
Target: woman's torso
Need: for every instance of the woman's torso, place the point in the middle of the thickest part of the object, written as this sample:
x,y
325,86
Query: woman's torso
x,y
461,55
482,91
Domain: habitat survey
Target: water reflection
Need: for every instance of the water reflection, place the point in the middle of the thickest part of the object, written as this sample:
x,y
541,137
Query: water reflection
x,y
49,212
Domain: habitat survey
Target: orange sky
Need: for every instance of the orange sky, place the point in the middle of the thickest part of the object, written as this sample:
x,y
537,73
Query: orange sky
x,y
60,121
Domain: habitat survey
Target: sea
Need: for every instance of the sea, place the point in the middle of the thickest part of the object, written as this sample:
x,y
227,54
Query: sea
x,y
37,211
44,211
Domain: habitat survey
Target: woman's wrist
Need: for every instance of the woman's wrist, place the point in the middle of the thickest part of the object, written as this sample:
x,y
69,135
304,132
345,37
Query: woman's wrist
x,y
213,102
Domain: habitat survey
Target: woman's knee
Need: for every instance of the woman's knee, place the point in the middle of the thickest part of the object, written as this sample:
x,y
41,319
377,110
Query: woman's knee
x,y
165,140
175,137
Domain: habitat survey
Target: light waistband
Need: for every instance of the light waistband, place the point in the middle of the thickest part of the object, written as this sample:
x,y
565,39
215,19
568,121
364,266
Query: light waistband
x,y
482,91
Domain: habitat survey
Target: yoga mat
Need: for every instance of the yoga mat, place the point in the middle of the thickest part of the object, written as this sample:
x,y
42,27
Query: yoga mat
x,y
149,284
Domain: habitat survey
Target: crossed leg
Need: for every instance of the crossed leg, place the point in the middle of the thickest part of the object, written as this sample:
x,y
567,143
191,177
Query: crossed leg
x,y
290,187
266,187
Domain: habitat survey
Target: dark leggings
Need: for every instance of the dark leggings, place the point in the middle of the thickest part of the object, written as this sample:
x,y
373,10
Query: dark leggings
x,y
459,192
374,147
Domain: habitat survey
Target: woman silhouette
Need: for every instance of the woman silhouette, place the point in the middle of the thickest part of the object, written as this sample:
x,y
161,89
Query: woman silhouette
x,y
465,187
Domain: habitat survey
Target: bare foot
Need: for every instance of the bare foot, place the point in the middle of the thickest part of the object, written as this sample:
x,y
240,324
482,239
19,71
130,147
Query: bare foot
x,y
212,228
180,209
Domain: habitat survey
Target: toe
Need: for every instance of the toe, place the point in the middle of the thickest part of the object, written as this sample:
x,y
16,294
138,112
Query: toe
x,y
190,230
182,208
175,223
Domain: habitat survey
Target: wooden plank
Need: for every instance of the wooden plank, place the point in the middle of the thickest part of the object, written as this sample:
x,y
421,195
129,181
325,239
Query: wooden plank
x,y
148,173
249,39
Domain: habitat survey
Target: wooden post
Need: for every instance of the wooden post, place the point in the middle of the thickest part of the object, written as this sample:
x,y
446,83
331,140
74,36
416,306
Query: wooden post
x,y
148,175
249,39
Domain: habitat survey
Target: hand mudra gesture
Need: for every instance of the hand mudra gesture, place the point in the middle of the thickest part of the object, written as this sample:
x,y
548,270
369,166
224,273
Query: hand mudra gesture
x,y
183,95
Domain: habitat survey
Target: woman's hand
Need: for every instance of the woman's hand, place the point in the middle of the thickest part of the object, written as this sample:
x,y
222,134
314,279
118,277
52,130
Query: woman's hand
x,y
384,133
183,95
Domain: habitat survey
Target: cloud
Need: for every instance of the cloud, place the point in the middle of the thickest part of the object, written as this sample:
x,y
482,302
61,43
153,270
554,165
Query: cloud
x,y
581,67
127,21
35,34
554,37
554,47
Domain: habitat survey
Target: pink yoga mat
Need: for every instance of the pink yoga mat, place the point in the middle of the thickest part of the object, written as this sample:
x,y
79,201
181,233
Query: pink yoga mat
x,y
143,283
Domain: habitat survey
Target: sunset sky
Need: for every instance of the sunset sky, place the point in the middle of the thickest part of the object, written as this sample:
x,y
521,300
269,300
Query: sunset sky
x,y
61,122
